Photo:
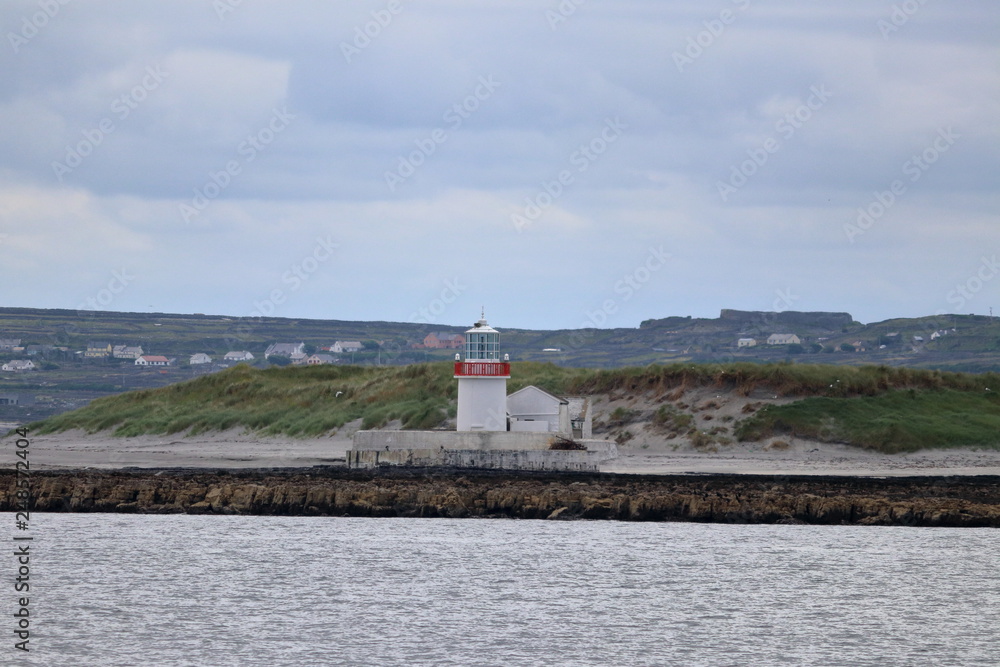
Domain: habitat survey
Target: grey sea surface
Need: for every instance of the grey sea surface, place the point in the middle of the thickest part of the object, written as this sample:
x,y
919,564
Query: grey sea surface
x,y
111,589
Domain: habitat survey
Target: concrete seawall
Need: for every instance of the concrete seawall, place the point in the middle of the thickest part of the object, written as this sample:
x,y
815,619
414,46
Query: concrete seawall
x,y
476,449
499,459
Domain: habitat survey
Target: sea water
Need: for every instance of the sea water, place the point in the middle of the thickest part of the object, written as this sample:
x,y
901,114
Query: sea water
x,y
108,589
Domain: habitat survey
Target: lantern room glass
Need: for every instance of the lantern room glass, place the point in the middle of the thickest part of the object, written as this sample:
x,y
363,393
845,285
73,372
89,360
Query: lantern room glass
x,y
482,346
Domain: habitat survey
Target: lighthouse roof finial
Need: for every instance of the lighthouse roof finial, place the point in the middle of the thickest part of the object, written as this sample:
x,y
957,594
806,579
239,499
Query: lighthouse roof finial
x,y
482,326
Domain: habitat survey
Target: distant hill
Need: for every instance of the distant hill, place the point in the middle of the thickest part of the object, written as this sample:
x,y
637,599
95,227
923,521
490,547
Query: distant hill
x,y
67,380
789,319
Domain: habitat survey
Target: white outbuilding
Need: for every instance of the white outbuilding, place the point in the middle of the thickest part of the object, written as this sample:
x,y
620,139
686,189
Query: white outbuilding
x,y
534,409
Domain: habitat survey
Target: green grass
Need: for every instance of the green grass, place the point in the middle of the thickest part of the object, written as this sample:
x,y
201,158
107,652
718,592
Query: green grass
x,y
296,401
311,401
893,422
781,378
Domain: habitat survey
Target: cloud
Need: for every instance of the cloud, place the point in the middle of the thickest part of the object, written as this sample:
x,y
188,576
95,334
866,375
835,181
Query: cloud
x,y
199,88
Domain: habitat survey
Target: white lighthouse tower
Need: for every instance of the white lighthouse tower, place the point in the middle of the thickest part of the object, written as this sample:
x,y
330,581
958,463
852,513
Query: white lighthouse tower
x,y
482,381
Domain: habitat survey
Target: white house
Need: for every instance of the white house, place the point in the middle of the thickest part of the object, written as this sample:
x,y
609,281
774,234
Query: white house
x,y
18,365
342,346
534,409
290,350
319,360
746,342
238,355
783,339
152,360
8,344
126,352
199,358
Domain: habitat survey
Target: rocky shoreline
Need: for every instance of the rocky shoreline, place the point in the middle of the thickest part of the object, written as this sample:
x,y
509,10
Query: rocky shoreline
x,y
966,501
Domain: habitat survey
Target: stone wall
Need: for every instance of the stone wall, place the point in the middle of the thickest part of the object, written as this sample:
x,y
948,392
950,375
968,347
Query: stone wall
x,y
399,492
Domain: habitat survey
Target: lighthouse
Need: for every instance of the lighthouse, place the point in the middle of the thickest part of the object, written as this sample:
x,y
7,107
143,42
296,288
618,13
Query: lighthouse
x,y
482,381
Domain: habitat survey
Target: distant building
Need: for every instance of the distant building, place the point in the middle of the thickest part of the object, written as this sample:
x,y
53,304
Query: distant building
x,y
126,352
444,341
199,358
746,342
342,346
238,355
18,365
8,344
319,359
97,350
783,339
289,350
152,360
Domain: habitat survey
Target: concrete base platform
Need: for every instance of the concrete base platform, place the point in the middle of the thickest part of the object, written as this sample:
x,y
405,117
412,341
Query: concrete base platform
x,y
502,450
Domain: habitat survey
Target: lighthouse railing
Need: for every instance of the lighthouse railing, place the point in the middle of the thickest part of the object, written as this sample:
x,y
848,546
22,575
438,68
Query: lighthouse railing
x,y
482,368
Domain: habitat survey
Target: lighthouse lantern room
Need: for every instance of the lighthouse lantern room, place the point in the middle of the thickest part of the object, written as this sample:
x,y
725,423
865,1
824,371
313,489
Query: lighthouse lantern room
x,y
482,381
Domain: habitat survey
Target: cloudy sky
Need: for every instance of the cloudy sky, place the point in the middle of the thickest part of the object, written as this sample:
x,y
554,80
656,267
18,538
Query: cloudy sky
x,y
563,164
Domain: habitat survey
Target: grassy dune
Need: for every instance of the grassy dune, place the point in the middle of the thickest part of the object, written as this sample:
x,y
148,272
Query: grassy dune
x,y
893,422
890,409
297,401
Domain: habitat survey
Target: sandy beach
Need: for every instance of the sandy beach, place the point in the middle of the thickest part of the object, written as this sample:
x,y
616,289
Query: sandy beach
x,y
239,449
